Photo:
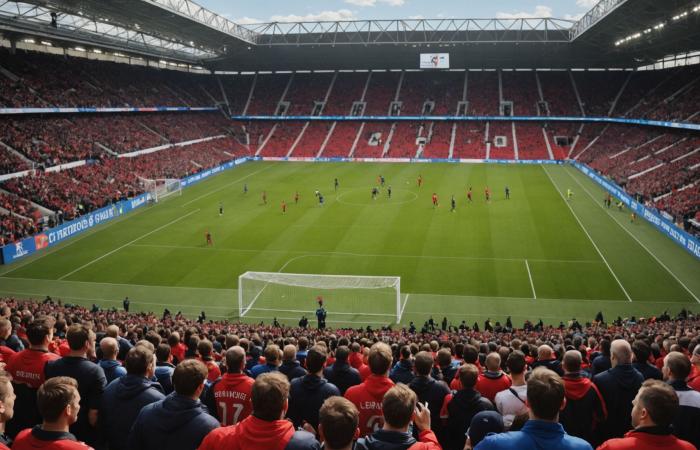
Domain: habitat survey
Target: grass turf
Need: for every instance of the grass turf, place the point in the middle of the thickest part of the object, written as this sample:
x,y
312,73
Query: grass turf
x,y
533,256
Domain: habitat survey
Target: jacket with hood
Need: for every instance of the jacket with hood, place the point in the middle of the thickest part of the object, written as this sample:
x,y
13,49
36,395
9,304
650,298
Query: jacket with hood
x,y
535,435
649,371
402,372
686,425
342,375
229,399
164,376
292,369
618,387
174,423
491,383
121,403
647,438
34,438
113,369
600,364
585,407
458,410
551,364
396,440
254,433
368,397
306,395
433,392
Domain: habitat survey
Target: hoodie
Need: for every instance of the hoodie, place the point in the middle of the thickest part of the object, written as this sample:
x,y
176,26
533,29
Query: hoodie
x,y
368,397
458,410
551,364
429,390
164,376
306,395
396,440
121,403
342,375
535,435
113,369
618,387
254,433
402,372
292,369
647,438
176,423
585,407
33,438
685,425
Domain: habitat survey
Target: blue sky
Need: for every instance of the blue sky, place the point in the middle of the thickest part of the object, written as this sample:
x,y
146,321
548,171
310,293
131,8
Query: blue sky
x,y
312,10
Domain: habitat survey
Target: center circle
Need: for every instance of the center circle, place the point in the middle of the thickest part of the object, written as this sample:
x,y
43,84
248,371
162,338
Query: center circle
x,y
363,197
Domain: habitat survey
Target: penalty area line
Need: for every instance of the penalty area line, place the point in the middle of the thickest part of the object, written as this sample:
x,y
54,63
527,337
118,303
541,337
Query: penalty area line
x,y
532,285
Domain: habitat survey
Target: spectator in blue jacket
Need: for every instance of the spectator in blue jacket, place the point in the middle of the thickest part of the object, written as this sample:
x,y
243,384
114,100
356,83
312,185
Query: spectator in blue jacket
x,y
272,361
341,373
402,372
179,421
113,368
290,366
164,368
545,397
307,394
124,397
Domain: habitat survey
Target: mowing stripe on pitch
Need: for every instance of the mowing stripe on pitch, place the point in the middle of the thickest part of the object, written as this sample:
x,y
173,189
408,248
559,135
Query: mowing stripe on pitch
x,y
587,234
127,244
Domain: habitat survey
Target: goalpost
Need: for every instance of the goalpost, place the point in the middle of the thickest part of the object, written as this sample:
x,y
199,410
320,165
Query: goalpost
x,y
161,188
344,296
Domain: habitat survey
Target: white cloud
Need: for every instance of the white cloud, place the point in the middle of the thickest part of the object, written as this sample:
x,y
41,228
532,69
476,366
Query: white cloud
x,y
341,14
394,2
418,17
246,20
588,4
574,17
362,2
540,11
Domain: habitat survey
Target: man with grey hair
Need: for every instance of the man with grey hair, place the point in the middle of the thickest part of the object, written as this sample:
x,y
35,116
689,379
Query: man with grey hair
x,y
290,366
547,359
618,386
113,368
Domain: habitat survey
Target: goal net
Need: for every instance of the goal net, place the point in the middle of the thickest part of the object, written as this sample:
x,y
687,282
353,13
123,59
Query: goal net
x,y
161,188
346,298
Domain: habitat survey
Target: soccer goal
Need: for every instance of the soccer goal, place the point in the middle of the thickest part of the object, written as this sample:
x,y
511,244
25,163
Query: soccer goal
x,y
161,188
346,298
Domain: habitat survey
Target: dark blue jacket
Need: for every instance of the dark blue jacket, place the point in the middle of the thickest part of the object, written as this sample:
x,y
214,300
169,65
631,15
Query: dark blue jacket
x,y
600,364
686,425
342,375
465,404
551,364
121,403
618,387
13,342
174,423
263,368
164,375
402,372
292,369
306,395
113,369
648,371
386,440
429,390
535,435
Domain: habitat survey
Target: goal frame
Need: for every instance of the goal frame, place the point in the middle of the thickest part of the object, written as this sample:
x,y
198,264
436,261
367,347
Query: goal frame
x,y
154,186
243,311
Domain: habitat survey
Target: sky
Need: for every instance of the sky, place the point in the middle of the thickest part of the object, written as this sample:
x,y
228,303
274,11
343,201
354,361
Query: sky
x,y
246,12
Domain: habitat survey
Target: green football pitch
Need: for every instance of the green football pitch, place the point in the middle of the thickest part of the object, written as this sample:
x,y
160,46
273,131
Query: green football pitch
x,y
536,255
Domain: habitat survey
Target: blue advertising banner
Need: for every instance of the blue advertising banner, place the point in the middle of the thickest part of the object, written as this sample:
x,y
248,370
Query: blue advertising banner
x,y
690,243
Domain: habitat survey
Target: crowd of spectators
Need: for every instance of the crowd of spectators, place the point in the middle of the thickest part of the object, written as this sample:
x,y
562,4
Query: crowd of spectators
x,y
136,380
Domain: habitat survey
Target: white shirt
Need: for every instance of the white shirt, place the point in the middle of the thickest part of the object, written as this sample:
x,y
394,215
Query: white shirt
x,y
509,405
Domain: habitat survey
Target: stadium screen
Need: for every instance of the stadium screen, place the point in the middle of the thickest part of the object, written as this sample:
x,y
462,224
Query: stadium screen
x,y
434,60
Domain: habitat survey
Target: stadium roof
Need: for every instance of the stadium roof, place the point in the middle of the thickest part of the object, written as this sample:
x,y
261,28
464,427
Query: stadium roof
x,y
614,34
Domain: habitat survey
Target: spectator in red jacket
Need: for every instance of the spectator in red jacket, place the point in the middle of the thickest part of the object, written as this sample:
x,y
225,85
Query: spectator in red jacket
x,y
59,403
205,349
694,378
229,398
654,410
7,406
400,408
493,380
368,396
337,424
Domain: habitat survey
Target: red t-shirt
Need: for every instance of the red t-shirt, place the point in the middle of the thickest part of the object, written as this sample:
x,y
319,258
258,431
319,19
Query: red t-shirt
x,y
178,351
214,371
27,366
368,397
26,440
232,398
6,353
489,384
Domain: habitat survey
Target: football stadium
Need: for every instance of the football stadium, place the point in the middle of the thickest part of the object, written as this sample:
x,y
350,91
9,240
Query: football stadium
x,y
192,199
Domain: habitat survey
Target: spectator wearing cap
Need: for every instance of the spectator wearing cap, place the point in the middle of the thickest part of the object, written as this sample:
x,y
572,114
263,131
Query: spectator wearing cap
x,y
483,424
511,402
642,351
113,369
545,397
618,387
686,425
290,366
655,408
430,391
340,373
307,393
585,408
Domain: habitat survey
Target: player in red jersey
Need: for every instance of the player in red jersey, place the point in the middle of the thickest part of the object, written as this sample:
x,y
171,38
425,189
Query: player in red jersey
x,y
435,200
284,207
208,236
229,398
367,397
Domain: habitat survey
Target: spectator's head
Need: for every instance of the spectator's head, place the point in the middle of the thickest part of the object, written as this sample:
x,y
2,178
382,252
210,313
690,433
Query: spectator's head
x,y
303,343
235,359
316,359
342,353
269,396
272,354
695,358
204,348
380,359
471,354
423,364
7,397
112,331
677,366
163,353
493,362
641,351
398,406
80,339
405,352
656,404
5,328
620,352
468,374
140,361
290,353
337,423
572,361
544,353
189,377
545,394
109,347
483,424
58,402
40,331
444,357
